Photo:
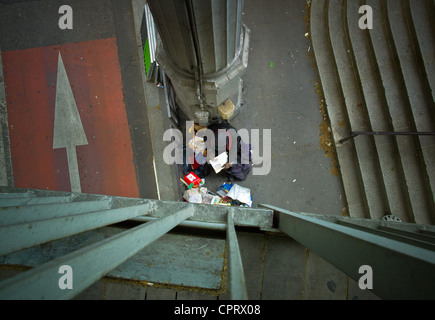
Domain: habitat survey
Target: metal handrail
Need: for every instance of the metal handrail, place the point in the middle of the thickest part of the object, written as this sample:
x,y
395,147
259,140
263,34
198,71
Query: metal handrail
x,y
403,265
35,217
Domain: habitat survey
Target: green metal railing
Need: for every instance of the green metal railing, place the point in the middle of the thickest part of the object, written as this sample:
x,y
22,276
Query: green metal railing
x,y
90,263
236,273
35,217
400,255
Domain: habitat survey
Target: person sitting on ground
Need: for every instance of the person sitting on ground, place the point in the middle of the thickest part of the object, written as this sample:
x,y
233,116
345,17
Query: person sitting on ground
x,y
241,169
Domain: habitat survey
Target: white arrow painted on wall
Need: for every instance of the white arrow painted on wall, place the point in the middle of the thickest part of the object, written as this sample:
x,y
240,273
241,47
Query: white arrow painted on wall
x,y
68,127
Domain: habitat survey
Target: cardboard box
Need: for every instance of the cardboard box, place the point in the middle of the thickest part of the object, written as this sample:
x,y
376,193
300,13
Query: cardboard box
x,y
226,109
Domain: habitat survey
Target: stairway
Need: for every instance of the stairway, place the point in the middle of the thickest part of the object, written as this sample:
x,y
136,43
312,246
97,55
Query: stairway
x,y
380,80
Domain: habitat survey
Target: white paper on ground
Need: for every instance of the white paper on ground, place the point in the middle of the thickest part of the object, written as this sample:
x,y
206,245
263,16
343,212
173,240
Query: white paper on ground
x,y
240,193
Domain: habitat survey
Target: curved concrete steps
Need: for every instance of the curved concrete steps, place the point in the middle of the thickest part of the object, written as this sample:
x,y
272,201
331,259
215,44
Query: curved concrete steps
x,y
355,103
332,92
380,80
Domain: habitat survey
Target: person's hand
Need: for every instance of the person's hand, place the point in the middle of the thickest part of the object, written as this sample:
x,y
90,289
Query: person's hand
x,y
227,165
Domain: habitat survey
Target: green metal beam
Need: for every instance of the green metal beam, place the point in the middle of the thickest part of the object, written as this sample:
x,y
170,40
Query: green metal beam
x,y
23,201
29,213
24,235
400,270
88,264
237,282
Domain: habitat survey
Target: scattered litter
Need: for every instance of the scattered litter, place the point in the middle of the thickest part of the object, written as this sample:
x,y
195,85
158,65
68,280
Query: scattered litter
x,y
206,198
226,187
203,190
217,201
193,179
221,193
199,164
241,194
193,196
